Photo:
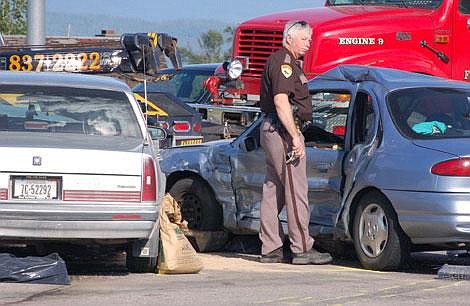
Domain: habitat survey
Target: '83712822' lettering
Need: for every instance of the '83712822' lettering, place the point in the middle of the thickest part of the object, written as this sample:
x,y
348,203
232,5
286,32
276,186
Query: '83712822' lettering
x,y
90,61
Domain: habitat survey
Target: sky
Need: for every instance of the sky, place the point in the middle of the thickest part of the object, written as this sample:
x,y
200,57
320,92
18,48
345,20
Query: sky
x,y
162,10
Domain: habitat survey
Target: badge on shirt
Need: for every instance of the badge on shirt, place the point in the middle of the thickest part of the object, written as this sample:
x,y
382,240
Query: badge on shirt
x,y
286,70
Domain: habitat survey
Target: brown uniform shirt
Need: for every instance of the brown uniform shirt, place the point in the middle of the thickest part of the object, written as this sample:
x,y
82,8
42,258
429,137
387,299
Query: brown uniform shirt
x,y
283,74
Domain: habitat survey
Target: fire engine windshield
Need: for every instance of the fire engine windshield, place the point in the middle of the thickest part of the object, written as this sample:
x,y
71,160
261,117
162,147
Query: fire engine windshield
x,y
426,4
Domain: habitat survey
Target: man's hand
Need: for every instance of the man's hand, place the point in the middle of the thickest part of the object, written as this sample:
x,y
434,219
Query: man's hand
x,y
298,146
284,112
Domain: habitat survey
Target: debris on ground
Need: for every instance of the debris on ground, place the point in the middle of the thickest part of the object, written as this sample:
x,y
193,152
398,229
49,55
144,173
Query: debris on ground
x,y
48,269
454,272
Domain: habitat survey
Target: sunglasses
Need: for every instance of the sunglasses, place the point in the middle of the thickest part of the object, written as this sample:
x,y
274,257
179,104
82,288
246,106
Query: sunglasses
x,y
300,22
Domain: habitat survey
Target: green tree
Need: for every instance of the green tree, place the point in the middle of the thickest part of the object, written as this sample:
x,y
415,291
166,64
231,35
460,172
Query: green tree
x,y
229,33
13,16
211,44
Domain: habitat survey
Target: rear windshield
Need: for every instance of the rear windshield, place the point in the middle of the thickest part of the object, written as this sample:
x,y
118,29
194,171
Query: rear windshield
x,y
427,4
423,113
45,109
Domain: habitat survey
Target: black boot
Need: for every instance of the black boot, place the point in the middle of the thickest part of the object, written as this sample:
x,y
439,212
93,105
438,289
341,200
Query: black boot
x,y
311,257
275,256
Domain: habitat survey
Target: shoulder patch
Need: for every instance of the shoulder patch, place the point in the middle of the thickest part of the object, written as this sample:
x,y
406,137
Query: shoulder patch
x,y
286,70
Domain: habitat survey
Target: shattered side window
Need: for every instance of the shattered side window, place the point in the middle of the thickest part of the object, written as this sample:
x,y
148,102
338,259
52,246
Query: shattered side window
x,y
330,111
363,119
431,113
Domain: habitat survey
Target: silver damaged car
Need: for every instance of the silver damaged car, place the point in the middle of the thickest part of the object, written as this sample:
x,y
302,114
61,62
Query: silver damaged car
x,y
388,167
77,164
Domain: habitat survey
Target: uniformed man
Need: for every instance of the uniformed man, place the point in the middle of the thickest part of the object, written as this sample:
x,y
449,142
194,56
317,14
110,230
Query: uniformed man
x,y
286,102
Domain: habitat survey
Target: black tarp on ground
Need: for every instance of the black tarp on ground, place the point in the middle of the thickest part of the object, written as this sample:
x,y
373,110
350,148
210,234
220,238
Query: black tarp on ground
x,y
49,269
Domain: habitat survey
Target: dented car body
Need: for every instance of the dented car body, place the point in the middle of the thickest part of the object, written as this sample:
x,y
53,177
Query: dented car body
x,y
387,165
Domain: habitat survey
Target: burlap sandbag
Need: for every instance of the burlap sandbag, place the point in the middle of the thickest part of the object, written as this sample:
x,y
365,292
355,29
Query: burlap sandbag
x,y
176,253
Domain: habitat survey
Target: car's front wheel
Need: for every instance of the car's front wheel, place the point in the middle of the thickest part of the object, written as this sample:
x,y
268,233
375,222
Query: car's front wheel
x,y
378,238
198,204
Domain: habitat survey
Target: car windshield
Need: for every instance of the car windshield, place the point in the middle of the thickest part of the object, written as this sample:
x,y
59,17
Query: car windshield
x,y
429,113
427,4
49,109
185,84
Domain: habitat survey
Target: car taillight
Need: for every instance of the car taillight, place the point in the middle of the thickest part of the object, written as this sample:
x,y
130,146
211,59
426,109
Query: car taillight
x,y
197,127
3,194
339,130
149,184
181,126
452,167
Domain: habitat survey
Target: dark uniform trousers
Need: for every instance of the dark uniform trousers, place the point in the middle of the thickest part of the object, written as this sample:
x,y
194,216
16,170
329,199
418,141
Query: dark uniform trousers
x,y
284,185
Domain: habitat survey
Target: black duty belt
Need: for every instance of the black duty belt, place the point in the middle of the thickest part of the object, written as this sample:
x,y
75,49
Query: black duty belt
x,y
302,125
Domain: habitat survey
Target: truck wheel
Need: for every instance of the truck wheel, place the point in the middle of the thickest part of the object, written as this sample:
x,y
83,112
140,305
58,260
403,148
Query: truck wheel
x,y
379,241
140,264
198,204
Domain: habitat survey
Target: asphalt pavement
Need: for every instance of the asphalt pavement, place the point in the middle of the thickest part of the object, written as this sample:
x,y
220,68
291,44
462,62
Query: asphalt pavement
x,y
99,277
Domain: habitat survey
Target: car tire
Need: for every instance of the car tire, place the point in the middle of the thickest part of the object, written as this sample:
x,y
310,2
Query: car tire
x,y
379,241
140,264
198,204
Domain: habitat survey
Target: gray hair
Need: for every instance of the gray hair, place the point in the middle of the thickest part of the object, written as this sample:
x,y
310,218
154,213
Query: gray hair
x,y
292,27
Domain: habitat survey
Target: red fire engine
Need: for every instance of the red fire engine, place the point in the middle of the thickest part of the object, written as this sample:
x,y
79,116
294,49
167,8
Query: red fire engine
x,y
424,36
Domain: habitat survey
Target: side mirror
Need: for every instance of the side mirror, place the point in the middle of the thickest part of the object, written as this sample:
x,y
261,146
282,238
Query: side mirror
x,y
157,133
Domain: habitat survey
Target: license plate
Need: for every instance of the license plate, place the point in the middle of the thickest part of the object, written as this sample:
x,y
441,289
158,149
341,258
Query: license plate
x,y
188,142
36,188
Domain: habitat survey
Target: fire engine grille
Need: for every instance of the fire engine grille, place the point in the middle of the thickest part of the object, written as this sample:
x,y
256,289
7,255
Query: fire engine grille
x,y
258,45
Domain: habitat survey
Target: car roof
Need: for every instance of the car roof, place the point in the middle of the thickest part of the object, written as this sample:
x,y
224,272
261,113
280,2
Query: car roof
x,y
210,66
62,79
389,78
152,96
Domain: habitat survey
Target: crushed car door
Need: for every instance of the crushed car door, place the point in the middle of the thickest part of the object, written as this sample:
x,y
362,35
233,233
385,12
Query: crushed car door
x,y
248,169
364,138
325,148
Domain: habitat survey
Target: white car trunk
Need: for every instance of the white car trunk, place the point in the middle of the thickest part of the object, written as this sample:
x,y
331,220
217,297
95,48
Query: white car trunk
x,y
54,160
80,173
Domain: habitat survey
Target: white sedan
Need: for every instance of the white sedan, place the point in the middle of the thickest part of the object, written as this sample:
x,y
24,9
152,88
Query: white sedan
x,y
77,164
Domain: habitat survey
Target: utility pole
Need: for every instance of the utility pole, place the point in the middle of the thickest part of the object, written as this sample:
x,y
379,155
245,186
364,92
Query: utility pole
x,y
36,24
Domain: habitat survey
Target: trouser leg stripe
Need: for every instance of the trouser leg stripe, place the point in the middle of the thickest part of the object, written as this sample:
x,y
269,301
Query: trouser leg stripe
x,y
294,203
